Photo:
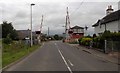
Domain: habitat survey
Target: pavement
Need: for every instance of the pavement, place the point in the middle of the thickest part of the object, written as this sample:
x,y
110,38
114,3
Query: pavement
x,y
108,57
58,56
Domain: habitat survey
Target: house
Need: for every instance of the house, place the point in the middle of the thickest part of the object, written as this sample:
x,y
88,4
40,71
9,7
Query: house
x,y
110,22
22,34
26,34
76,32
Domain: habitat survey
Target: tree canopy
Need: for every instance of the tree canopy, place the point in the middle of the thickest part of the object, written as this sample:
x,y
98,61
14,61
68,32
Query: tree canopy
x,y
8,29
57,37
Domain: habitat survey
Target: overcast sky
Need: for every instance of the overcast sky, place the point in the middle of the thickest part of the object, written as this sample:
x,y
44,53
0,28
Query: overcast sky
x,y
82,12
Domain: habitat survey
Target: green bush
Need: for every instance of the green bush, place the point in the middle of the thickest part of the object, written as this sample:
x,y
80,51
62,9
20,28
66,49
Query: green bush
x,y
85,41
7,40
115,36
80,40
111,36
98,42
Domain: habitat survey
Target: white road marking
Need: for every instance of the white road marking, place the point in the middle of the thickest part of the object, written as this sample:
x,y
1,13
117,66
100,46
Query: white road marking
x,y
70,63
55,44
65,61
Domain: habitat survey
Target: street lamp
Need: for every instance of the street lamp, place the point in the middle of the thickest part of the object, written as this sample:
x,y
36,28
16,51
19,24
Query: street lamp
x,y
31,23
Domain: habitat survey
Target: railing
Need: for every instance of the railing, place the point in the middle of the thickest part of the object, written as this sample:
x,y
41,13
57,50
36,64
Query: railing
x,y
106,46
112,46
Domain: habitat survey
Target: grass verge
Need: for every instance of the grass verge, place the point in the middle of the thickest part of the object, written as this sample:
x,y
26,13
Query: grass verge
x,y
13,52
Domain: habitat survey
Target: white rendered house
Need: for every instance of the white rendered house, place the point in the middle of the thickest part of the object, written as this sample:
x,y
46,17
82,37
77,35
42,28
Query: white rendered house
x,y
110,22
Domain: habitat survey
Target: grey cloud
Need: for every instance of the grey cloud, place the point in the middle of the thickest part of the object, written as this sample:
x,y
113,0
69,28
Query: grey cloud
x,y
21,14
54,14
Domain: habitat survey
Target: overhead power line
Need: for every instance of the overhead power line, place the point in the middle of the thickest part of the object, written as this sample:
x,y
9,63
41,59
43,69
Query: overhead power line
x,y
77,8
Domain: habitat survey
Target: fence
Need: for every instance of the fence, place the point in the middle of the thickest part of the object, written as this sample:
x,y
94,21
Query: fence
x,y
112,46
106,46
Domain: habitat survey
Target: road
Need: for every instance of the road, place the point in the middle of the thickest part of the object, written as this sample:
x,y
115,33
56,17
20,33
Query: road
x,y
58,56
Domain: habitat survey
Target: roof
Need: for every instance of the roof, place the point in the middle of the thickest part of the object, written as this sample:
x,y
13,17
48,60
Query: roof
x,y
24,33
96,24
77,27
109,18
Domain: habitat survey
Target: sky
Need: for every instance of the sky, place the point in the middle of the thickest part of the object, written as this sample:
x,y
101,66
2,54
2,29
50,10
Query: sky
x,y
81,12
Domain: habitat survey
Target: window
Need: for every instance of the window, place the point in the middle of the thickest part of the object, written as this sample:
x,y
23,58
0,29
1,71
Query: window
x,y
79,30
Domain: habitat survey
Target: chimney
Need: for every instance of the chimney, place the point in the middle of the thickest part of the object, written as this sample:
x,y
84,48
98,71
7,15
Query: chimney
x,y
109,10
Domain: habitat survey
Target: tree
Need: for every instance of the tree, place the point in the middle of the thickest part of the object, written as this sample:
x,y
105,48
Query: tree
x,y
94,35
7,29
7,40
56,37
